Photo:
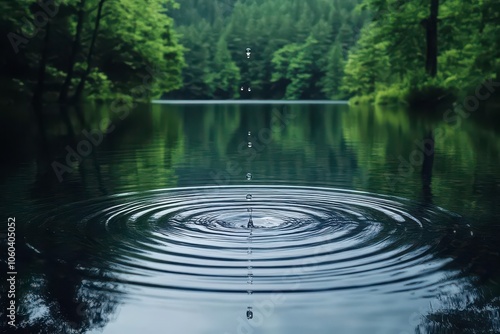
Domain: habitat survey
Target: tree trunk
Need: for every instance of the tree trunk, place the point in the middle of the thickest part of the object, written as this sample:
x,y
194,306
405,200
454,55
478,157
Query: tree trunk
x,y
63,96
83,79
432,39
40,87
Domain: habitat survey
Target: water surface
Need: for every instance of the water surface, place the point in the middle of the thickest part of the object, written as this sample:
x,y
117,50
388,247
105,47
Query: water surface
x,y
244,218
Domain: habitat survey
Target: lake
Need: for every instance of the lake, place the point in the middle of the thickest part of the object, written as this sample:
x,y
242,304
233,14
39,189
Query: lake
x,y
253,218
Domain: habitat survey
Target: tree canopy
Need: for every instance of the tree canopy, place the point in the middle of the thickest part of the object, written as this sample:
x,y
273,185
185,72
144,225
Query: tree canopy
x,y
387,50
395,56
105,48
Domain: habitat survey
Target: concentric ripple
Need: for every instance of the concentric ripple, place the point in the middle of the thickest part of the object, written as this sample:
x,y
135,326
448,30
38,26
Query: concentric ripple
x,y
304,239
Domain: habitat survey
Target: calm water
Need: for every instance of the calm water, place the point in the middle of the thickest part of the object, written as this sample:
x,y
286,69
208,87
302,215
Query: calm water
x,y
253,219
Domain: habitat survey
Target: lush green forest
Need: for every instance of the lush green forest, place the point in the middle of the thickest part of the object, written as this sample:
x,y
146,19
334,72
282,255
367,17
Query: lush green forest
x,y
298,48
67,49
382,50
429,49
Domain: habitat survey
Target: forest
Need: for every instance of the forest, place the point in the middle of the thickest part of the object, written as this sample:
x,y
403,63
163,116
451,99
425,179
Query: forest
x,y
308,151
382,51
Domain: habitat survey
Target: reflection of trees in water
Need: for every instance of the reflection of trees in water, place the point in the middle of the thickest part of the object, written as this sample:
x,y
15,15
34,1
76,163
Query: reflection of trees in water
x,y
64,303
475,307
470,311
55,297
65,286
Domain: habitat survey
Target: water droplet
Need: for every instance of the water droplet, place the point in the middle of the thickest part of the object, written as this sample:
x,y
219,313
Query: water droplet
x,y
249,267
249,292
249,196
249,251
249,176
249,144
249,209
249,312
249,133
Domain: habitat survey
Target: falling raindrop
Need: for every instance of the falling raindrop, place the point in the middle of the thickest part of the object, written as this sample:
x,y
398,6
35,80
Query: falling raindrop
x,y
250,226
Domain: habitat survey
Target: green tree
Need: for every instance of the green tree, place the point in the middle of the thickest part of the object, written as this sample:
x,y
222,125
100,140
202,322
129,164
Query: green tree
x,y
367,64
225,78
335,72
113,47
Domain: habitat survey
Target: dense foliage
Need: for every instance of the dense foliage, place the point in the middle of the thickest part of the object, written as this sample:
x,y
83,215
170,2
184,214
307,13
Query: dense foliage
x,y
384,50
388,50
63,48
391,59
298,48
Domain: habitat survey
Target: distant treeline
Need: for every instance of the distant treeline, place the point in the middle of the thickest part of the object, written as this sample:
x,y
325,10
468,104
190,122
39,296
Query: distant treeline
x,y
298,48
383,50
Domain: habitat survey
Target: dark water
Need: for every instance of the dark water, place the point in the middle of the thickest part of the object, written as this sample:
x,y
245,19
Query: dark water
x,y
253,219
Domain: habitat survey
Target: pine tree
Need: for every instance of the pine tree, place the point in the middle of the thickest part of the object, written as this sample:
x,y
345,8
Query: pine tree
x,y
335,72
